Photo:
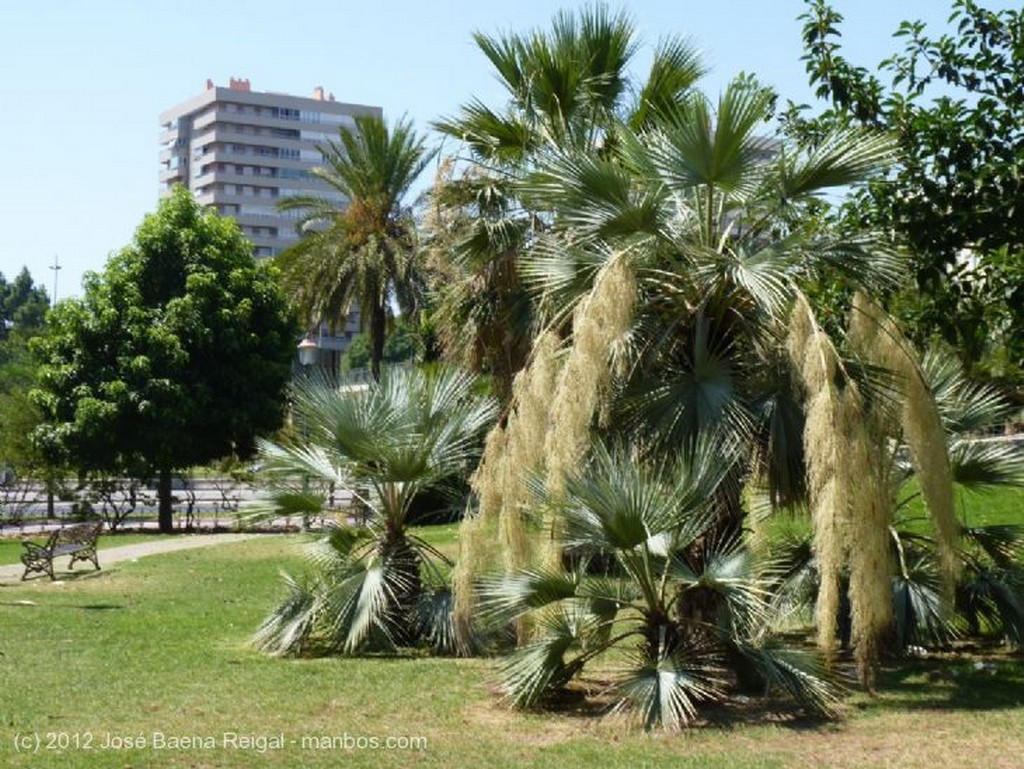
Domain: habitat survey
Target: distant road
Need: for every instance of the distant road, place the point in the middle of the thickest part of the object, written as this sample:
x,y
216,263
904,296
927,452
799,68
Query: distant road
x,y
215,502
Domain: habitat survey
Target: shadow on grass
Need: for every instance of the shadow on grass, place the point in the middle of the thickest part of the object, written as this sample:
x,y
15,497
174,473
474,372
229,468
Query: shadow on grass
x,y
963,682
48,605
590,699
61,576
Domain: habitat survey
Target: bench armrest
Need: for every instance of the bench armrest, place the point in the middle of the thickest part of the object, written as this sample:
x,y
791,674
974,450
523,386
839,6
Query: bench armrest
x,y
33,549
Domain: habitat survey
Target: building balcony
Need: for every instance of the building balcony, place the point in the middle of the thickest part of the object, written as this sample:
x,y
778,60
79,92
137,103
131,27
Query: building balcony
x,y
171,175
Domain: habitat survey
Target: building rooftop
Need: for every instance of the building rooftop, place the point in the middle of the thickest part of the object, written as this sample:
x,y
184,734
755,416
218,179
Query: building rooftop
x,y
243,84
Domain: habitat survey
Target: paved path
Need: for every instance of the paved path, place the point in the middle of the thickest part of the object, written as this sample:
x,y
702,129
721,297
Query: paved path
x,y
13,572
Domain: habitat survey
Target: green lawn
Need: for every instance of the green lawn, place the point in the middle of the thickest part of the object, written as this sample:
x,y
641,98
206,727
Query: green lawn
x,y
156,649
996,507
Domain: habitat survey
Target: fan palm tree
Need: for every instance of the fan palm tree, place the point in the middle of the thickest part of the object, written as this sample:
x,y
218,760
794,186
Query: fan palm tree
x,y
387,443
718,223
674,619
706,231
359,243
565,88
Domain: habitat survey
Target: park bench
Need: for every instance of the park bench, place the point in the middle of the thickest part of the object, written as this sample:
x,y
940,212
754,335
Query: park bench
x,y
77,541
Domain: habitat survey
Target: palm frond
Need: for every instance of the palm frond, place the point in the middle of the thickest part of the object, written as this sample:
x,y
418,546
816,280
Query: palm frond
x,y
664,688
502,139
356,606
537,670
598,197
434,620
980,465
842,158
1004,544
729,570
675,69
696,395
800,673
966,406
716,148
992,600
289,626
920,617
507,597
864,259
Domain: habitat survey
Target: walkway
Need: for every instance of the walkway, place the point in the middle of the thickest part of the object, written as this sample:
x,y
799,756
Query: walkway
x,y
13,572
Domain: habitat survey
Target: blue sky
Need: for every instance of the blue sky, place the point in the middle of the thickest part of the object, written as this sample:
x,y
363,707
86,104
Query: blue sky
x,y
82,84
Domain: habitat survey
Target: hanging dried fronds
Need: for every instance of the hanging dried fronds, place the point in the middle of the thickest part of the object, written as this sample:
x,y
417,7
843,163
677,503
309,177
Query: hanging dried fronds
x,y
879,337
497,536
478,533
599,323
850,508
870,555
816,360
525,452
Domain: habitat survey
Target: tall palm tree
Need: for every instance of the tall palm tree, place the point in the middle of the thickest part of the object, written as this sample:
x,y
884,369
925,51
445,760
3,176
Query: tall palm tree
x,y
717,222
565,88
705,232
359,243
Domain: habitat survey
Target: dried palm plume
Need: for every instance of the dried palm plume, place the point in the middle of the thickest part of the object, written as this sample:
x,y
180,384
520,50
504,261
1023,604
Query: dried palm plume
x,y
850,510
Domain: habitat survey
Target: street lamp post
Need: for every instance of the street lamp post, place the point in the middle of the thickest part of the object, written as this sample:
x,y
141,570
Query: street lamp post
x,y
308,354
55,267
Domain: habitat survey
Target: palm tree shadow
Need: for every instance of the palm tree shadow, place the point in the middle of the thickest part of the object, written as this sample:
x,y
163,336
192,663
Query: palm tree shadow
x,y
589,700
965,683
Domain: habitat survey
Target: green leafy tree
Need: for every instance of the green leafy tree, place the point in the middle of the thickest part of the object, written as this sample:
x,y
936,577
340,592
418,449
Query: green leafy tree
x,y
23,306
359,249
178,353
955,103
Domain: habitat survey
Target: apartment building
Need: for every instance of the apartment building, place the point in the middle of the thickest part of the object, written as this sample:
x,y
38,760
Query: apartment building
x,y
241,151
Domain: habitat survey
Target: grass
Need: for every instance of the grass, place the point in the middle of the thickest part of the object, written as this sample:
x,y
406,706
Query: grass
x,y
998,506
159,646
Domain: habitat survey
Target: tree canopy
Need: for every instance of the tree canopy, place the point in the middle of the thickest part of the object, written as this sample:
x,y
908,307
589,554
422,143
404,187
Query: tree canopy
x,y
178,353
23,305
955,103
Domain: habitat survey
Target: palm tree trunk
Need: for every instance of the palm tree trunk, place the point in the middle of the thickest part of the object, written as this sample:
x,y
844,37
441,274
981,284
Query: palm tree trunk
x,y
405,563
377,322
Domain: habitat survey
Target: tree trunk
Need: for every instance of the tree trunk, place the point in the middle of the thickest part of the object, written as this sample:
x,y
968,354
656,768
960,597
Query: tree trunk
x,y
377,322
401,612
165,515
51,484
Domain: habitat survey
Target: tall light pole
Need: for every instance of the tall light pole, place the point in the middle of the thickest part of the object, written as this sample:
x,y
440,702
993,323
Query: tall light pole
x,y
50,511
308,353
55,267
